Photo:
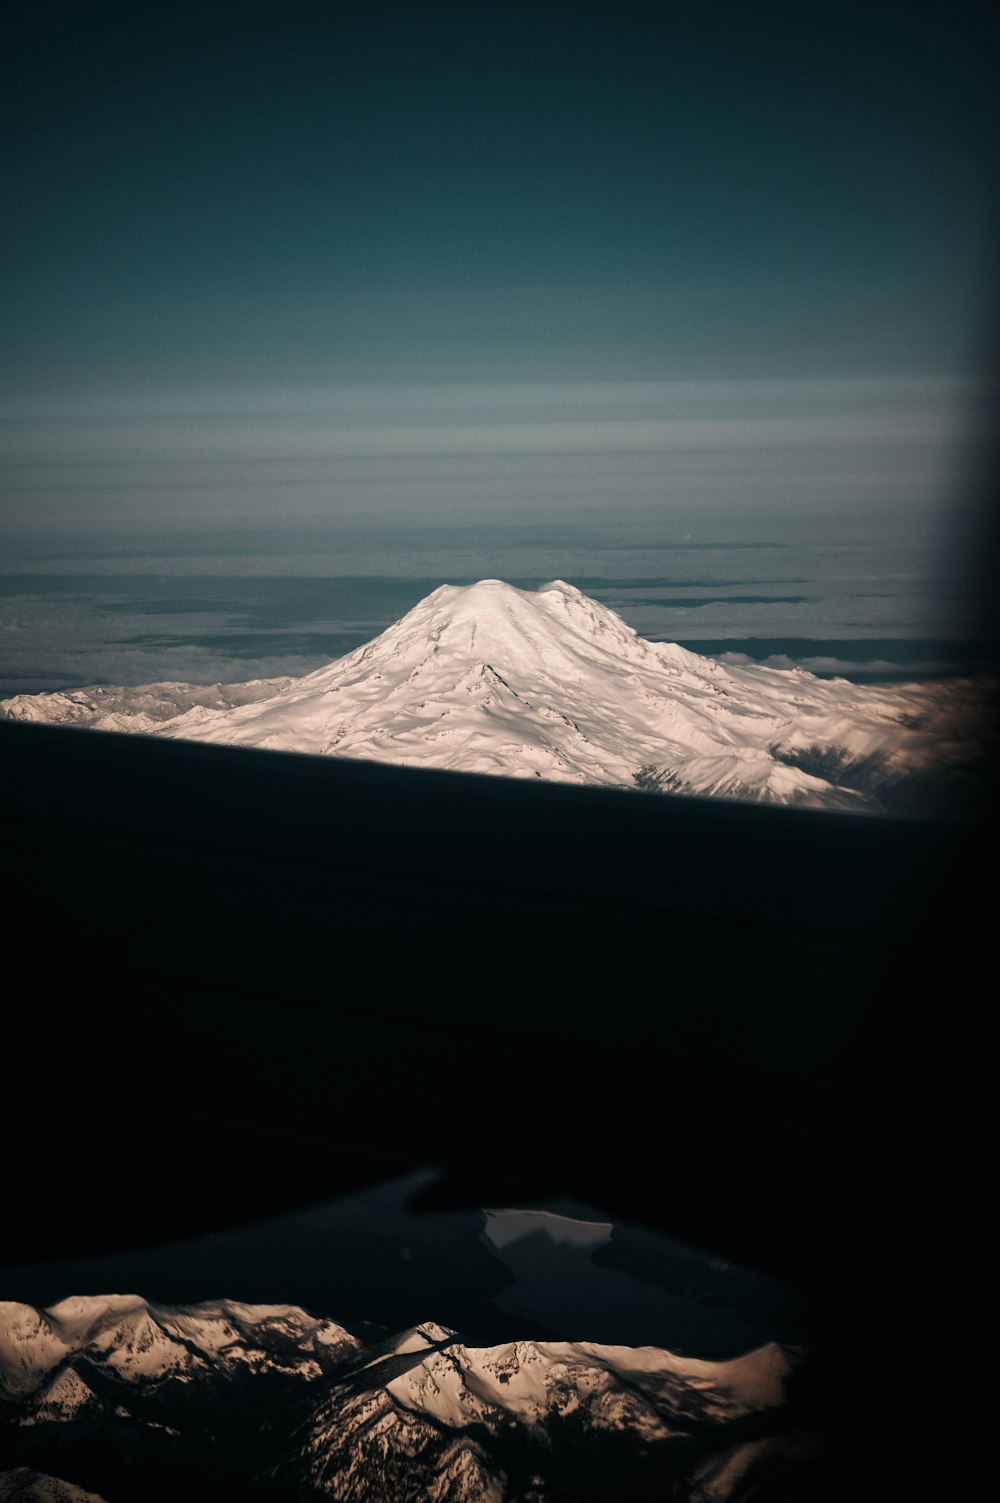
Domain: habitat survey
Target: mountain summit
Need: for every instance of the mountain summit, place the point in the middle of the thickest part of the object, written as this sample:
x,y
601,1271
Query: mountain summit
x,y
551,684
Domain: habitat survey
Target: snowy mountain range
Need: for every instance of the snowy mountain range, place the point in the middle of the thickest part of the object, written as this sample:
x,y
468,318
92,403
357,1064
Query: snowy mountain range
x,y
551,684
120,1398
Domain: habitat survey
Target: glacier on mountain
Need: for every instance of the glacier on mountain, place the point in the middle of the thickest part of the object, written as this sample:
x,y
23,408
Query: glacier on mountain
x,y
551,684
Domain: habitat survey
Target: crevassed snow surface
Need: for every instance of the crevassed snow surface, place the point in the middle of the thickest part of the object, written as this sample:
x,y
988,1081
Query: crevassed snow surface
x,y
551,684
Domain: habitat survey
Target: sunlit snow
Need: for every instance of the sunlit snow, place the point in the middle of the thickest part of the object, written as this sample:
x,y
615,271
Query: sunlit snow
x,y
551,684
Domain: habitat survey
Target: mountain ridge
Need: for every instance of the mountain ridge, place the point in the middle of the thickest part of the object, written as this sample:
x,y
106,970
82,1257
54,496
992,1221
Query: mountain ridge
x,y
552,684
285,1404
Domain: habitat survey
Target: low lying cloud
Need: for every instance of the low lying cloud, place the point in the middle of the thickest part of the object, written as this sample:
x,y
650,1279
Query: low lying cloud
x,y
68,644
832,667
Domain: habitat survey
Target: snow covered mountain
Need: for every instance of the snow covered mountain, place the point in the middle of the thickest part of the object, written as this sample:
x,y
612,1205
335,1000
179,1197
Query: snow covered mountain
x,y
142,708
120,1397
433,1418
551,684
134,1339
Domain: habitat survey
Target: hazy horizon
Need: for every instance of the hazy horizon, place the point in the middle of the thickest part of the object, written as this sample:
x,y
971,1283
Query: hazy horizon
x,y
693,303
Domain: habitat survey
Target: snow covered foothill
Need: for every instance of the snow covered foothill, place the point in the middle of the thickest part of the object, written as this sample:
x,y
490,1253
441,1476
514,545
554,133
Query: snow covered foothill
x,y
141,708
528,1378
551,684
31,1345
24,1485
437,1417
412,1415
137,1340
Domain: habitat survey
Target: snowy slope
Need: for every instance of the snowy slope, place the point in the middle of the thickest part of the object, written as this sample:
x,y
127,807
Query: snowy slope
x,y
142,708
441,1420
551,684
109,1391
135,1340
24,1485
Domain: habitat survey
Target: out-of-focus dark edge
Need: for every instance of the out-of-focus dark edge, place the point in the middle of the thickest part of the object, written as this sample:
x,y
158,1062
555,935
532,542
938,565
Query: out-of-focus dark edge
x,y
240,980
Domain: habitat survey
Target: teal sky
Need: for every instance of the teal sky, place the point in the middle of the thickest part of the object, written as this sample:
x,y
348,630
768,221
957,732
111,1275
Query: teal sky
x,y
697,293
360,191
